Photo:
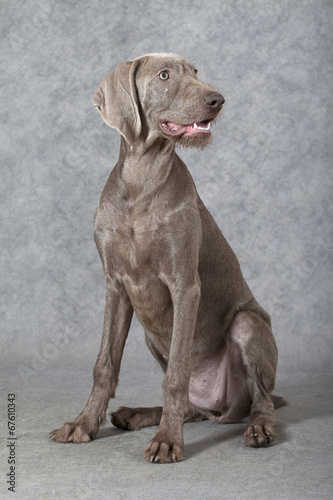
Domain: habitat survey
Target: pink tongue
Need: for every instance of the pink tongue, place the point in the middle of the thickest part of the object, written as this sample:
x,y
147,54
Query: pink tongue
x,y
188,130
191,130
177,128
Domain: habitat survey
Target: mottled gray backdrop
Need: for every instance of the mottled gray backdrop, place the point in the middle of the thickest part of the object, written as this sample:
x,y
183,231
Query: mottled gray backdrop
x,y
267,178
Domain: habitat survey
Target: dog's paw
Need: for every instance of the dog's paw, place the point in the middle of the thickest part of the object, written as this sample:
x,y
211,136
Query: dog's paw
x,y
73,432
163,453
132,419
126,419
257,435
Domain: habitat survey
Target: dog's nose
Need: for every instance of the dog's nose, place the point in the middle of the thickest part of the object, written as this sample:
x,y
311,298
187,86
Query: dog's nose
x,y
214,101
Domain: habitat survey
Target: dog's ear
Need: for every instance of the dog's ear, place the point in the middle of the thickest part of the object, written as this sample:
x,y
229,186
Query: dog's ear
x,y
117,101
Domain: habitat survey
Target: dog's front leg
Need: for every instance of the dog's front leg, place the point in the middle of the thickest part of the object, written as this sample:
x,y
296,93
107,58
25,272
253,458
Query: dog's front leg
x,y
168,444
117,319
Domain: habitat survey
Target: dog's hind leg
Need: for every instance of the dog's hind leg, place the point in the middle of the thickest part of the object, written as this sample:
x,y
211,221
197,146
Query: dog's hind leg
x,y
132,419
254,337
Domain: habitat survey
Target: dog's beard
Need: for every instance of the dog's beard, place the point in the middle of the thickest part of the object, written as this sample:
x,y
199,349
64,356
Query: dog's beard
x,y
199,141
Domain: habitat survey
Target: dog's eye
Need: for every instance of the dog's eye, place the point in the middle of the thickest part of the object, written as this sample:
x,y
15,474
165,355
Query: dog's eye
x,y
164,75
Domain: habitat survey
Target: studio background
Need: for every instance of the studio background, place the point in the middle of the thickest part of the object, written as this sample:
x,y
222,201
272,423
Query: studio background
x,y
267,177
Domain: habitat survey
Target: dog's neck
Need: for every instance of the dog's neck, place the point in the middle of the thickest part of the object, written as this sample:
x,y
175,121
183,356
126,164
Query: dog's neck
x,y
144,169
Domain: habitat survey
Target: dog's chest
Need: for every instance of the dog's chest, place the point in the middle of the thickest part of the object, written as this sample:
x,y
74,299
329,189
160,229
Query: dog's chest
x,y
131,248
128,239
135,241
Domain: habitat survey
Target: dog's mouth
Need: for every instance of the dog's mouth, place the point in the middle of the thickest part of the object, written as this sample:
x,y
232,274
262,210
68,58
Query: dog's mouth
x,y
192,130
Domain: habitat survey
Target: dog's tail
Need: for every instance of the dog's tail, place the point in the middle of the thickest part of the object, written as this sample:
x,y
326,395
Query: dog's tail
x,y
278,401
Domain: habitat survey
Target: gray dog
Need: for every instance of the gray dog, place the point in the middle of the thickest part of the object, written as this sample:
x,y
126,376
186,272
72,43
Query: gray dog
x,y
165,258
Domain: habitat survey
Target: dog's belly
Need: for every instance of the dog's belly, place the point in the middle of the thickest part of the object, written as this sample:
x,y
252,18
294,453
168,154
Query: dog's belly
x,y
208,383
218,384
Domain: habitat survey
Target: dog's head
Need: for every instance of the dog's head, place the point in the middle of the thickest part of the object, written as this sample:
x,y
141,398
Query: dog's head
x,y
158,96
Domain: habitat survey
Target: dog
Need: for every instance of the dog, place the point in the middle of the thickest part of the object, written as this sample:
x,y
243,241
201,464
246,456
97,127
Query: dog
x,y
165,258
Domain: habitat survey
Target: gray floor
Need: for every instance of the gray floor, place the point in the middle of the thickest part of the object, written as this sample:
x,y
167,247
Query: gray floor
x,y
217,464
